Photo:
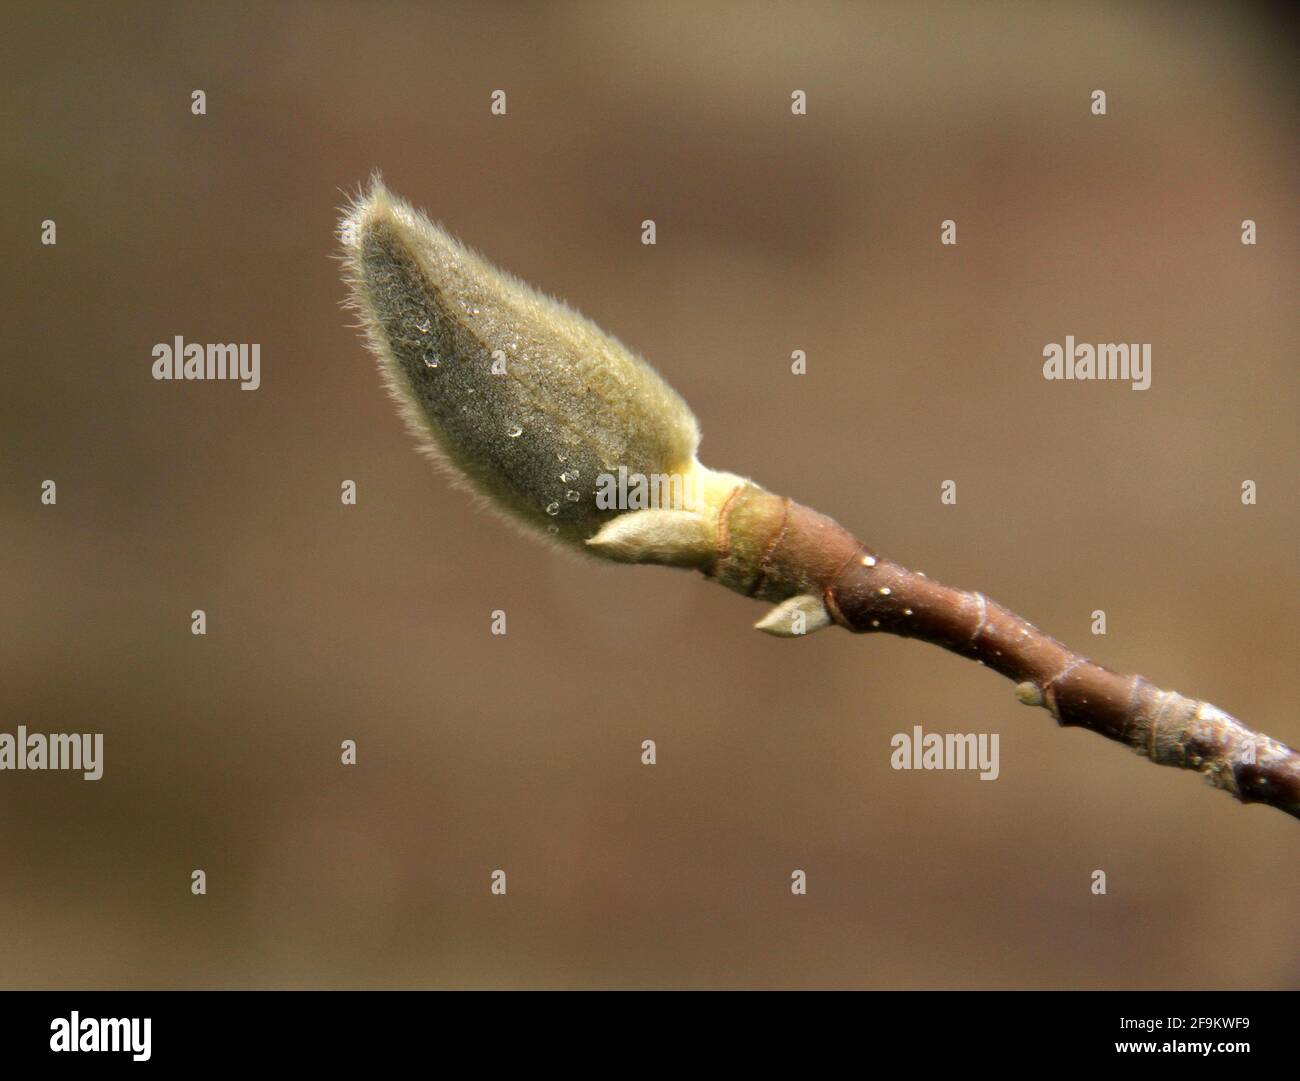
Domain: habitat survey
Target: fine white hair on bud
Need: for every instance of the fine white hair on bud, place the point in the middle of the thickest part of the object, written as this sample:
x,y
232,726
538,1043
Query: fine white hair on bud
x,y
516,395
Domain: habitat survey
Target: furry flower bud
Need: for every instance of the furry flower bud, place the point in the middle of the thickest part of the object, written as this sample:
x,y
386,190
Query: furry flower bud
x,y
516,395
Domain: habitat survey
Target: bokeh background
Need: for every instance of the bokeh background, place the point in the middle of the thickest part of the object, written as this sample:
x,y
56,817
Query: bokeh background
x,y
775,233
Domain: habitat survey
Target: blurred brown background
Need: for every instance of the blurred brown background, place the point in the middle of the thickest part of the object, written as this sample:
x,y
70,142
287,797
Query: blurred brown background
x,y
775,233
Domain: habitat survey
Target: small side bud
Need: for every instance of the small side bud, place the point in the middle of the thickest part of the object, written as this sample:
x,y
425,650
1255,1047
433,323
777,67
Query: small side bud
x,y
1029,694
672,538
795,617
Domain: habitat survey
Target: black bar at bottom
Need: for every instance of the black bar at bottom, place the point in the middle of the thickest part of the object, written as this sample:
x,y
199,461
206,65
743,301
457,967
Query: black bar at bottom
x,y
337,1029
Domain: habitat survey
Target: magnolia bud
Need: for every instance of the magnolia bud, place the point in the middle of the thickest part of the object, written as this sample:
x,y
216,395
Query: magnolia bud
x,y
516,395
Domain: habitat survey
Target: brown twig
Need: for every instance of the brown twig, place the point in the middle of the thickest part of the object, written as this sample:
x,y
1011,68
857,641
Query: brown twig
x,y
809,555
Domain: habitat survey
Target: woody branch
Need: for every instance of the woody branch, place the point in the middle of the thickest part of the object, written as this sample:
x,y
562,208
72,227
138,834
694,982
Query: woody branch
x,y
776,549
